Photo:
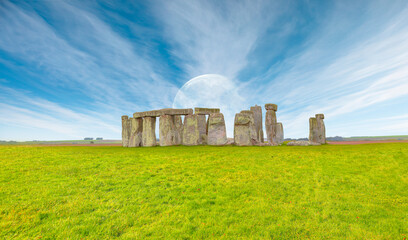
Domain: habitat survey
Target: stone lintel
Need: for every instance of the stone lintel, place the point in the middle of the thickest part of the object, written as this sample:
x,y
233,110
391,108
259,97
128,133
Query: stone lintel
x,y
271,106
206,111
165,111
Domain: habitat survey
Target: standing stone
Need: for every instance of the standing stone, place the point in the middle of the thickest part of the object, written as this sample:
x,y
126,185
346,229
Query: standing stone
x,y
242,136
217,133
313,130
257,110
279,133
202,129
167,130
252,129
136,130
321,136
149,132
125,131
270,123
178,130
191,134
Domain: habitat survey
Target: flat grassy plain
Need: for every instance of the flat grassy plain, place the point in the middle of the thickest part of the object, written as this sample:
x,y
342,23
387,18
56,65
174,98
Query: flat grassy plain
x,y
203,192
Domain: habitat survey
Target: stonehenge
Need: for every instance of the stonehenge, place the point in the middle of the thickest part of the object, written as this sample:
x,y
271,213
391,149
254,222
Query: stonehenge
x,y
206,126
317,130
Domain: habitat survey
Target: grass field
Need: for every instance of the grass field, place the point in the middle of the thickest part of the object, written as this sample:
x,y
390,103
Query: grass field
x,y
203,192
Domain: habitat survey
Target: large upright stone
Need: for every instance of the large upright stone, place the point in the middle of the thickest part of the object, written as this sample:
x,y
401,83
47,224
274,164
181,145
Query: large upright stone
x,y
257,110
136,131
313,130
178,127
167,130
191,133
217,133
321,136
202,129
252,128
279,133
149,132
125,131
270,123
242,132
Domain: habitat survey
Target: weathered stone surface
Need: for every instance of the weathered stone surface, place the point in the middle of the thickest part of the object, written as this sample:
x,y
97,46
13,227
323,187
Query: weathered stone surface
x,y
149,132
202,129
165,111
279,133
270,126
230,141
167,130
301,143
191,133
244,130
174,111
257,110
242,119
313,130
136,131
206,111
217,133
125,131
178,134
271,106
321,136
252,128
319,115
153,113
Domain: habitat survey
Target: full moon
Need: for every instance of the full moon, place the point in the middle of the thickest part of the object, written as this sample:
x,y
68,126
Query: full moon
x,y
212,91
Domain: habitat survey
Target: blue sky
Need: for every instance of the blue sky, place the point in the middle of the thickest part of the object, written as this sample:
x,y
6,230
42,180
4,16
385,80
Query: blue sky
x,y
70,69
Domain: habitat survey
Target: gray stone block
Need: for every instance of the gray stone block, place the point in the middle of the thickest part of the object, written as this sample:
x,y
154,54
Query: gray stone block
x,y
257,110
191,133
206,111
271,106
136,131
217,133
149,132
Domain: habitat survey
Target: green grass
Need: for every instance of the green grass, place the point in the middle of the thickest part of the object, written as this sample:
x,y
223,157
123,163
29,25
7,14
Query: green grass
x,y
203,192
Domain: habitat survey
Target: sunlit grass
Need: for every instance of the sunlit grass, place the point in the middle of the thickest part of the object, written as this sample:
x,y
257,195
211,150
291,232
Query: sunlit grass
x,y
353,192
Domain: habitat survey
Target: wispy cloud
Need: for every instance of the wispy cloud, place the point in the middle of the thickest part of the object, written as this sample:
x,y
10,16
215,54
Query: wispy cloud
x,y
80,64
81,56
211,37
88,57
339,76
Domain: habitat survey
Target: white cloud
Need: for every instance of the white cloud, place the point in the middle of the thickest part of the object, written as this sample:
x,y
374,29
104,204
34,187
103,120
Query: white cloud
x,y
215,37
